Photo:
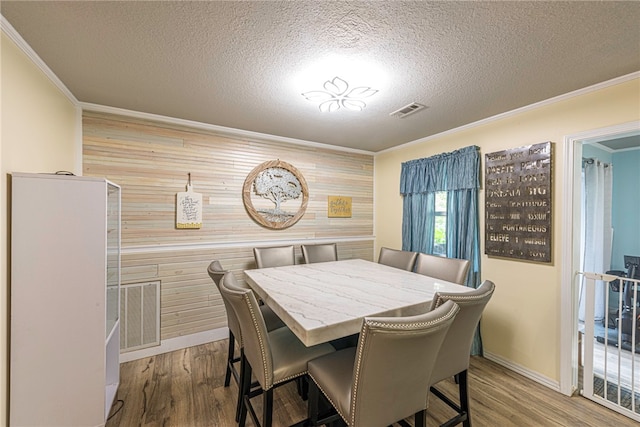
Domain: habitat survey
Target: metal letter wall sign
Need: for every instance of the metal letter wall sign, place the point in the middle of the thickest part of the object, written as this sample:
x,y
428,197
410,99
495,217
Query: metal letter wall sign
x,y
517,188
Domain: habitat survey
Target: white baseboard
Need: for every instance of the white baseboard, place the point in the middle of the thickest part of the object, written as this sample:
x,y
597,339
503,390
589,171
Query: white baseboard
x,y
525,372
177,343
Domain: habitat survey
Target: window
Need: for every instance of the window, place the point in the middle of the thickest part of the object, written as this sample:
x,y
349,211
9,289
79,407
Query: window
x,y
440,228
440,213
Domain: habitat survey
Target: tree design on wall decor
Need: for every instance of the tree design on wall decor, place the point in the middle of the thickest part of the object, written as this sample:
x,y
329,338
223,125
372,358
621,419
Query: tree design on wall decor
x,y
268,188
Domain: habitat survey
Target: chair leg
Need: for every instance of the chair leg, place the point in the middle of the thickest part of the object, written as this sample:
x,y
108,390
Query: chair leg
x,y
317,408
461,411
267,408
302,387
313,401
232,343
239,403
305,387
245,390
464,397
421,418
298,386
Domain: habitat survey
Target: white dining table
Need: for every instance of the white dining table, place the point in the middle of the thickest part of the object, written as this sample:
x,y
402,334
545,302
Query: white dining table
x,y
325,301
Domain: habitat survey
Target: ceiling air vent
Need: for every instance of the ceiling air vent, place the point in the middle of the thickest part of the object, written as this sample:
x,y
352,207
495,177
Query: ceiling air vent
x,y
408,109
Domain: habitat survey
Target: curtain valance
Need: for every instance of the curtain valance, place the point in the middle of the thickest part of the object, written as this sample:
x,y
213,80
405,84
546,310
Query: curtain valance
x,y
457,170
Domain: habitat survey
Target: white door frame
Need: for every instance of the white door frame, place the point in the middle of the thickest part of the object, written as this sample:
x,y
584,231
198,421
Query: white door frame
x,y
572,148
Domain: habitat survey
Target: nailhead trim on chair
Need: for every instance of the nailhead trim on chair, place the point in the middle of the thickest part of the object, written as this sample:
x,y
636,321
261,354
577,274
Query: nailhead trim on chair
x,y
404,326
365,328
268,378
329,399
363,335
462,416
263,352
441,299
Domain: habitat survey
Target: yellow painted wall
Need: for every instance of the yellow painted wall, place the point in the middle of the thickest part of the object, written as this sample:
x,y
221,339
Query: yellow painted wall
x,y
521,323
38,134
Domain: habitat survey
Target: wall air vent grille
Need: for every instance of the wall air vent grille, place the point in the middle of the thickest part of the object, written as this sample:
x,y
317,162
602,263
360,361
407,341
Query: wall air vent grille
x,y
408,109
139,316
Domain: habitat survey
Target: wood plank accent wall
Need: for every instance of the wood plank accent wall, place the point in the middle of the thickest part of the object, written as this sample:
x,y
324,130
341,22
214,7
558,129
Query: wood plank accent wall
x,y
150,161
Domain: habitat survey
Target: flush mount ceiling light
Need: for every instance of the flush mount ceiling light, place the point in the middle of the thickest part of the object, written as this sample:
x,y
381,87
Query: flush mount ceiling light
x,y
337,94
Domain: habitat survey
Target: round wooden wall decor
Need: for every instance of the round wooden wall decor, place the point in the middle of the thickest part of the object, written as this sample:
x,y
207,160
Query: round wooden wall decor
x,y
268,187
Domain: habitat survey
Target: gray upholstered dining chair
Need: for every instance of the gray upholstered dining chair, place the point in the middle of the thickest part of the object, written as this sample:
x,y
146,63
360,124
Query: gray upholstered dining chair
x,y
404,260
323,252
386,377
453,359
272,321
275,357
443,268
276,256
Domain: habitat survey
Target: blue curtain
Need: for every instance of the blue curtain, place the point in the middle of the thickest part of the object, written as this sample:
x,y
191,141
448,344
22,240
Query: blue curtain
x,y
418,222
457,173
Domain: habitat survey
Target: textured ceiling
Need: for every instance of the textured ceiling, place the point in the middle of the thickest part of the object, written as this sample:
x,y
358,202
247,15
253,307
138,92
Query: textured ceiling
x,y
237,64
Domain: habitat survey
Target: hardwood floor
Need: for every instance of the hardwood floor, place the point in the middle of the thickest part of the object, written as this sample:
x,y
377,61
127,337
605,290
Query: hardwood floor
x,y
185,389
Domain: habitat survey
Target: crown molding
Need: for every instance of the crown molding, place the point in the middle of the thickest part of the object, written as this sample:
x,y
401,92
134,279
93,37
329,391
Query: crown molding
x,y
8,29
218,130
555,99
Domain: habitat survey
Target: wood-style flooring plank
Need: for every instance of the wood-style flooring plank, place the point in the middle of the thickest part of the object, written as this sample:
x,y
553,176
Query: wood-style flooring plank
x,y
185,388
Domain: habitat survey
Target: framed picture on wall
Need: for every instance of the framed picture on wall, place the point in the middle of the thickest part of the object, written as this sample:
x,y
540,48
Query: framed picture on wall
x,y
275,194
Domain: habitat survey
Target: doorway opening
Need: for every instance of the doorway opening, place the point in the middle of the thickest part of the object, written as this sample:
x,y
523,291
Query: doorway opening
x,y
606,145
